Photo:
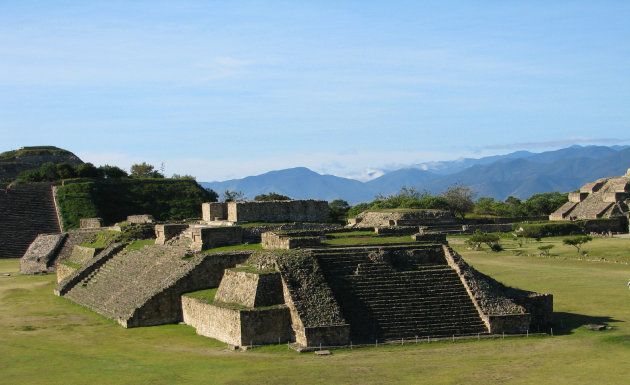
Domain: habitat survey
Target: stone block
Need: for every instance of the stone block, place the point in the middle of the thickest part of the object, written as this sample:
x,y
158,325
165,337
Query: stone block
x,y
272,240
144,218
204,238
40,255
89,223
576,197
163,233
250,289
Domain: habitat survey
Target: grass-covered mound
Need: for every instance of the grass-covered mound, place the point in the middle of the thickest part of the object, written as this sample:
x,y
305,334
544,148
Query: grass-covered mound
x,y
114,200
14,162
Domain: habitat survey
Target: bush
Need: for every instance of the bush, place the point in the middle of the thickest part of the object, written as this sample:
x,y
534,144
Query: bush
x,y
551,229
272,196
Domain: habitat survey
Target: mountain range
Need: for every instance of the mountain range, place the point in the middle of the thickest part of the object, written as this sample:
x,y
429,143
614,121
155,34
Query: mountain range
x,y
519,174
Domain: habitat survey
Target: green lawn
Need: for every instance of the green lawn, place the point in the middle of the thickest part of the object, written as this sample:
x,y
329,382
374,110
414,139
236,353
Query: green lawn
x,y
48,340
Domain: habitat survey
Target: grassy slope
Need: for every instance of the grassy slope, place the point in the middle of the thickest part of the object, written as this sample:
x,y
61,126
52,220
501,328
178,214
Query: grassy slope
x,y
46,339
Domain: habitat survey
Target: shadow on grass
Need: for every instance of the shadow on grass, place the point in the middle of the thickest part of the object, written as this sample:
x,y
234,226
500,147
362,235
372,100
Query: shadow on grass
x,y
567,323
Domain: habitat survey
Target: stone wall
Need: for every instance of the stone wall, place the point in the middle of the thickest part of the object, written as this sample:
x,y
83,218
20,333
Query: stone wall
x,y
143,218
415,218
278,211
214,211
238,327
272,240
166,232
430,238
204,238
90,223
40,255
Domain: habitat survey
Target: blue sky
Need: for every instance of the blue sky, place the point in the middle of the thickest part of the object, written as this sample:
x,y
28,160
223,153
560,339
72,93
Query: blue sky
x,y
222,90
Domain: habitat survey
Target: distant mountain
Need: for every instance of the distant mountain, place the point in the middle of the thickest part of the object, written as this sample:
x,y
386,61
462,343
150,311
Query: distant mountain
x,y
298,183
523,177
518,174
391,182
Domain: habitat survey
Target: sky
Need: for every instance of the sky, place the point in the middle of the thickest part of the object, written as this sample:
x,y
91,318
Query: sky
x,y
223,90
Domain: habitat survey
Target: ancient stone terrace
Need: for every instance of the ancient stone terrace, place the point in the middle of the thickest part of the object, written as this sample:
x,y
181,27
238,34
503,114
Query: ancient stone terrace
x,y
143,287
603,198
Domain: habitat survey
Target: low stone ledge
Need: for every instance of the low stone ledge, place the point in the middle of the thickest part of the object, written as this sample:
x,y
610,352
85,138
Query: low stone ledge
x,y
509,323
430,238
329,335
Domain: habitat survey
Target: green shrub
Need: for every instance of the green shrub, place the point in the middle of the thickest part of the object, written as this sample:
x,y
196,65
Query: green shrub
x,y
550,229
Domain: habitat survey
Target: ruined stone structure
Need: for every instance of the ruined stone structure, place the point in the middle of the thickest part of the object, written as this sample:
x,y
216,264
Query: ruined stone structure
x,y
603,198
362,294
296,290
27,210
267,211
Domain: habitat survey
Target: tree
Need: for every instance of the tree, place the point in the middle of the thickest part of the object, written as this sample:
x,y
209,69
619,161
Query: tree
x,y
459,199
545,249
233,196
142,170
88,170
212,195
492,240
484,206
577,241
113,172
338,209
66,171
272,196
545,203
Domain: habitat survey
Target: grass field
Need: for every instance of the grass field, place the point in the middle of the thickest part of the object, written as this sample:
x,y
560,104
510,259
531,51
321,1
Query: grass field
x,y
48,340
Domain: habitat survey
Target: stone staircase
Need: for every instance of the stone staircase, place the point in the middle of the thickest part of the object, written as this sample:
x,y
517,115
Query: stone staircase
x,y
26,210
383,302
127,281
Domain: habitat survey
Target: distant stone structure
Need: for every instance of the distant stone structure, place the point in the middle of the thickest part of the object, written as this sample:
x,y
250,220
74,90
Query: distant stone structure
x,y
267,211
603,198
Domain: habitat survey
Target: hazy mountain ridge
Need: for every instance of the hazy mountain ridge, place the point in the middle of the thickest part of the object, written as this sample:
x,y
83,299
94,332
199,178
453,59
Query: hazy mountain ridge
x,y
519,174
